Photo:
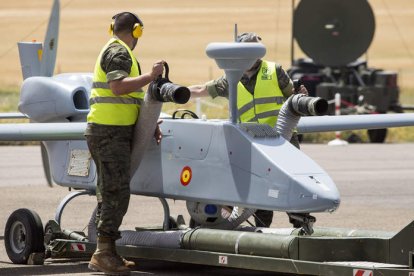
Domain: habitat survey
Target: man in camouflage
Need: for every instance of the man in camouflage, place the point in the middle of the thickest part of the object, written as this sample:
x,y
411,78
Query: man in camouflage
x,y
114,108
250,84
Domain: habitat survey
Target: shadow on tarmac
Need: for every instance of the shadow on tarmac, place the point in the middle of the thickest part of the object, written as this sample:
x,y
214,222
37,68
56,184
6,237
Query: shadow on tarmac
x,y
57,267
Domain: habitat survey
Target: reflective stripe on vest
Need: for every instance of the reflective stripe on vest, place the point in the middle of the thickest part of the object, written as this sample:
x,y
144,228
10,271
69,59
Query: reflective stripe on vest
x,y
105,107
264,105
97,84
114,100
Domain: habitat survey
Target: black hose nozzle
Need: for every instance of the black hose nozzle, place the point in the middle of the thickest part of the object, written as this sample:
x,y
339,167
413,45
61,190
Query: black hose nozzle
x,y
305,105
163,90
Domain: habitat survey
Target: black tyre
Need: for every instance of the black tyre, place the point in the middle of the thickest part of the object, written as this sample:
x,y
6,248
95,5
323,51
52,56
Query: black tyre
x,y
23,235
52,232
377,135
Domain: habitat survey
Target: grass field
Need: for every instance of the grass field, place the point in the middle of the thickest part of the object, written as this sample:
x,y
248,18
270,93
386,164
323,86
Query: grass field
x,y
178,32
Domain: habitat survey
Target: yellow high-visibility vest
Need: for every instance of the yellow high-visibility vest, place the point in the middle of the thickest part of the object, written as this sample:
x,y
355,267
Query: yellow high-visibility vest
x,y
264,105
105,107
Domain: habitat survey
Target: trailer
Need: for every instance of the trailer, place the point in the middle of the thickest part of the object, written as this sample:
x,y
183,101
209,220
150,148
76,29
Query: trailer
x,y
328,251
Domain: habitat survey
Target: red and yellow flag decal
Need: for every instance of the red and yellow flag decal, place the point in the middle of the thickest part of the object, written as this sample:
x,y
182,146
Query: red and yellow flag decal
x,y
186,175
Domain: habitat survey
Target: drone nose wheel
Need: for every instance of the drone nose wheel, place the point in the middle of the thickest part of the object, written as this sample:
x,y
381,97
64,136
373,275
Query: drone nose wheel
x,y
23,235
303,221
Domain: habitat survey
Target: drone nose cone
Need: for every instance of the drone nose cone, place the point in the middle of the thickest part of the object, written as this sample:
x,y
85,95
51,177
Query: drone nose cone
x,y
336,204
317,192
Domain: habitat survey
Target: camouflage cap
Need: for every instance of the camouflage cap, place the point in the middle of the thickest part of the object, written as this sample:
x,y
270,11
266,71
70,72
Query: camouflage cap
x,y
248,37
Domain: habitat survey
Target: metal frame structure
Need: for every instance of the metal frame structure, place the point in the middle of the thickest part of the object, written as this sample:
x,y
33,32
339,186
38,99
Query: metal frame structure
x,y
329,251
340,255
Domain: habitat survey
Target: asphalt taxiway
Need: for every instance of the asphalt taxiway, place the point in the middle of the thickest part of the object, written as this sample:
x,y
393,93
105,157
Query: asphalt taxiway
x,y
376,183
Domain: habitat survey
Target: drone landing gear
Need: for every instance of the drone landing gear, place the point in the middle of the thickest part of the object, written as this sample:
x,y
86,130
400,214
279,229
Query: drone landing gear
x,y
169,221
303,221
23,237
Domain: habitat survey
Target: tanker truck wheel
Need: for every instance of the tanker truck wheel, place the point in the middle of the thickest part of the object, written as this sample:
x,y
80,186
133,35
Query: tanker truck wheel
x,y
23,235
377,135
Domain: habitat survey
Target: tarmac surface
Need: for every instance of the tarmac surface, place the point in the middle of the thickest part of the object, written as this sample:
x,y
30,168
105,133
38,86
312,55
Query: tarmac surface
x,y
376,182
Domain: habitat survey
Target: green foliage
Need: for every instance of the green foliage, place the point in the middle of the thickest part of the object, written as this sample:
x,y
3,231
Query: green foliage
x,y
401,134
394,135
212,108
407,96
8,103
218,109
9,100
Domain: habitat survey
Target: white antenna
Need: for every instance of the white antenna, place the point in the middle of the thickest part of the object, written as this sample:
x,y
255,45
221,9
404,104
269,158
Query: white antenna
x,y
235,32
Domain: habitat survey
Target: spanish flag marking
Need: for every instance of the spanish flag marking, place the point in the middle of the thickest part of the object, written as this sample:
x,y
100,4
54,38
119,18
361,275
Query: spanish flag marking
x,y
186,175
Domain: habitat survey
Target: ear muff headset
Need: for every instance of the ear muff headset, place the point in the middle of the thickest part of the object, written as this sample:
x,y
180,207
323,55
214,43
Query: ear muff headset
x,y
137,29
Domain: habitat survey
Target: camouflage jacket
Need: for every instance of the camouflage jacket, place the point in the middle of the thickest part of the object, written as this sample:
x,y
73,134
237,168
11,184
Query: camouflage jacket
x,y
220,87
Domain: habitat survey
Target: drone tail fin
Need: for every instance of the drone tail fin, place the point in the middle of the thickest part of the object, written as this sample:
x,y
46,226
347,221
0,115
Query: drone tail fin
x,y
37,59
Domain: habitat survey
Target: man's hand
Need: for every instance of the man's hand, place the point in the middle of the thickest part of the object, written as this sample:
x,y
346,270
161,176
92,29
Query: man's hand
x,y
157,69
199,90
158,133
301,90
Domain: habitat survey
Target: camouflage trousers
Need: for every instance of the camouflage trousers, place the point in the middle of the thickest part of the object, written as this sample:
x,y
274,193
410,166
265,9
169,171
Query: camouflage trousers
x,y
110,147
